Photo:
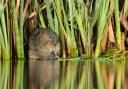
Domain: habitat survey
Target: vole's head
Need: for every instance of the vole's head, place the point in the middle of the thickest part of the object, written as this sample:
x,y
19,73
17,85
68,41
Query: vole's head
x,y
45,43
50,45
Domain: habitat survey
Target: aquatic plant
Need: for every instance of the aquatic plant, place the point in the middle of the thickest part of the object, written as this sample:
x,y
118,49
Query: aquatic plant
x,y
80,25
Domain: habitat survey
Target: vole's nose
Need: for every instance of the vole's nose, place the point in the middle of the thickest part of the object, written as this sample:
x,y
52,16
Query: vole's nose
x,y
54,53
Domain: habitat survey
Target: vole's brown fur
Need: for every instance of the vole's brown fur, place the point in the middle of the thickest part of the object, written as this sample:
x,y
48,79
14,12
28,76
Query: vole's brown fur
x,y
43,45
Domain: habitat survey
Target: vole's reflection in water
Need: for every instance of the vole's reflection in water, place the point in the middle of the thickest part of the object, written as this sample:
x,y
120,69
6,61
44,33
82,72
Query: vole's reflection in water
x,y
43,73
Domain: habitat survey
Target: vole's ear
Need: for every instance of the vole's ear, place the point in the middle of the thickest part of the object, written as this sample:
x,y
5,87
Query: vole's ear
x,y
48,29
36,32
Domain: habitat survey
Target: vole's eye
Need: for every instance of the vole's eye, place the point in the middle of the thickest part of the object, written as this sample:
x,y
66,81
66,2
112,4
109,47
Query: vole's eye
x,y
50,37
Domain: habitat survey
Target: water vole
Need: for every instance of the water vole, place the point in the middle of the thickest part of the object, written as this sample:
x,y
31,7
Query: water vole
x,y
43,44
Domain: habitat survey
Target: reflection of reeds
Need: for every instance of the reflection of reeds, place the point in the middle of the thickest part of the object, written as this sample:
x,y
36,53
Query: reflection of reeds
x,y
19,75
106,75
5,75
73,75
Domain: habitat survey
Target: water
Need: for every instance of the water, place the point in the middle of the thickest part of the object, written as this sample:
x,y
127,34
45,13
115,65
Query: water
x,y
44,74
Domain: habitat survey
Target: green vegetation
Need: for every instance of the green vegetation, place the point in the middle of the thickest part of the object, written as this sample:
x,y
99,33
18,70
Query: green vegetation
x,y
85,28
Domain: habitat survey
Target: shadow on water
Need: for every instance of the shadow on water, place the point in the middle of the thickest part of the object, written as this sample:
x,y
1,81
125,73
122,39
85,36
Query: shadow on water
x,y
47,74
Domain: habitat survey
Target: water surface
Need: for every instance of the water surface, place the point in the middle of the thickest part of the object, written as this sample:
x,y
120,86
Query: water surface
x,y
47,74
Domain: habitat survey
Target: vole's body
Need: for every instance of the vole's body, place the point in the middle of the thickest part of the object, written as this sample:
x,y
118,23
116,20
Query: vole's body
x,y
43,45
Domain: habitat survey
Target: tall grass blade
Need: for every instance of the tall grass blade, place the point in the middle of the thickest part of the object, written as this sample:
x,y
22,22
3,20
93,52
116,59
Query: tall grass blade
x,y
125,8
56,29
21,27
42,20
0,50
59,8
81,28
70,38
39,10
18,38
117,19
49,14
2,7
0,75
71,19
101,25
2,42
4,36
96,12
62,31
